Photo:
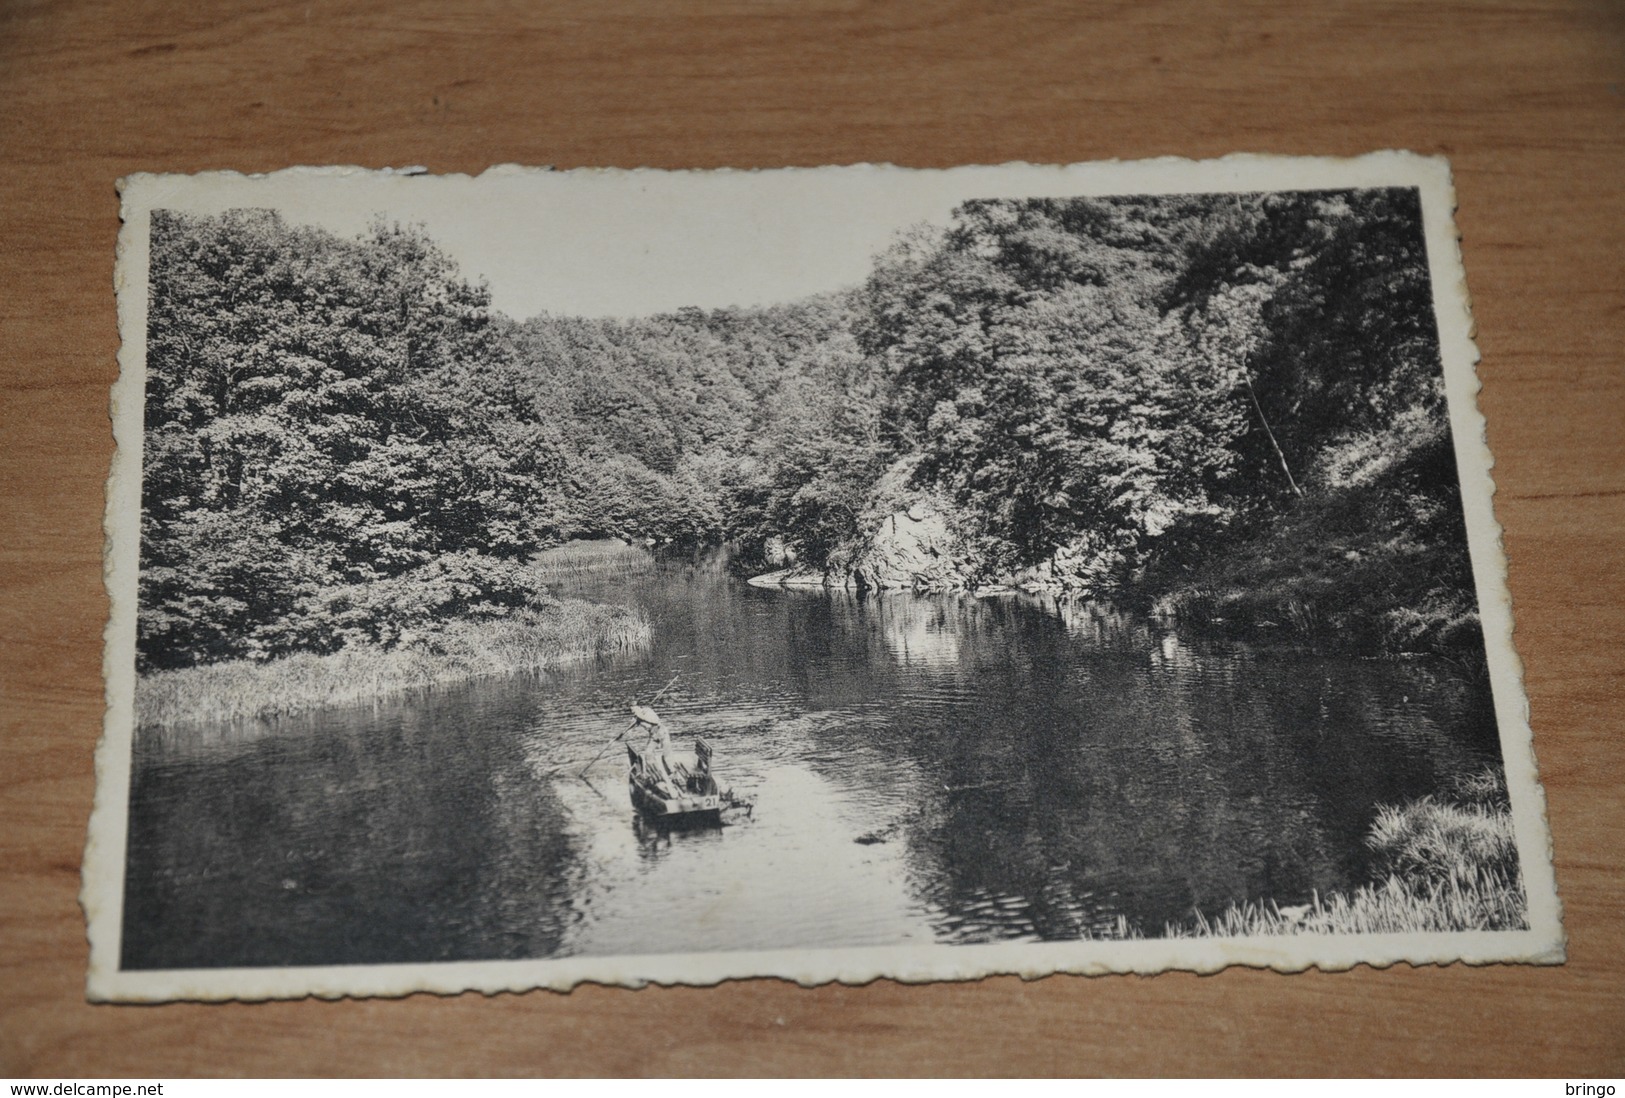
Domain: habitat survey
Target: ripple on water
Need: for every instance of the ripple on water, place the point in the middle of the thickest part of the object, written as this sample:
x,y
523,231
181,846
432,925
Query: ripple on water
x,y
791,874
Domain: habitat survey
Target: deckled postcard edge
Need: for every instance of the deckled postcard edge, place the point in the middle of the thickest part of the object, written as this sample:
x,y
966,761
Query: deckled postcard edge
x,y
1543,943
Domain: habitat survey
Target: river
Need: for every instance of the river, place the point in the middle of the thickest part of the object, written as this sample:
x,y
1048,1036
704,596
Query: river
x,y
925,769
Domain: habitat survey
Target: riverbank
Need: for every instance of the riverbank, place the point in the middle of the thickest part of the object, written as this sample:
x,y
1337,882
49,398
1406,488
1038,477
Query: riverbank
x,y
569,631
1485,901
1350,582
1447,864
591,557
1369,558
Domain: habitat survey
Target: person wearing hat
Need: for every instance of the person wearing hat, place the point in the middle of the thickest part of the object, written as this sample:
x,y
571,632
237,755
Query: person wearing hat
x,y
659,739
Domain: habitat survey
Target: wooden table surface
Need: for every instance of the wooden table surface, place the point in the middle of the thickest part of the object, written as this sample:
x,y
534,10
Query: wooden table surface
x,y
1528,100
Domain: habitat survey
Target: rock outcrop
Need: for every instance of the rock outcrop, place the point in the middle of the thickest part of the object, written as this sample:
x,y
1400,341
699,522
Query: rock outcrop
x,y
914,550
911,551
797,577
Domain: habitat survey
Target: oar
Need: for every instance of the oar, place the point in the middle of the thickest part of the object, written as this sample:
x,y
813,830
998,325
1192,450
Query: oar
x,y
665,688
619,736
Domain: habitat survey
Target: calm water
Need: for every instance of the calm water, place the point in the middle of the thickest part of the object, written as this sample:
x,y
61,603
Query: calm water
x,y
926,769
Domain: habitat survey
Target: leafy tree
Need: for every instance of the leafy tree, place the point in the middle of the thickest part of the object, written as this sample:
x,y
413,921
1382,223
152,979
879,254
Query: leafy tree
x,y
334,448
1045,389
344,443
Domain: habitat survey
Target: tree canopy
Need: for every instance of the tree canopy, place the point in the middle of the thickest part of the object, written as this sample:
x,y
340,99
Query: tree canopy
x,y
335,447
344,442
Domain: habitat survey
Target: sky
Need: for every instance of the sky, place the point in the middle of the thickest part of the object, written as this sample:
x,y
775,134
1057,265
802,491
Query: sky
x,y
632,243
621,243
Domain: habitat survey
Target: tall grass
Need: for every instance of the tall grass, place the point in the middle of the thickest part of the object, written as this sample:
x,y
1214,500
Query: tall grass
x,y
571,631
1430,841
1447,863
596,557
1473,900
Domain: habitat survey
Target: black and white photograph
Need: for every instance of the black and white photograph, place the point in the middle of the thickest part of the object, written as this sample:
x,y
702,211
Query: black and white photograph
x,y
827,574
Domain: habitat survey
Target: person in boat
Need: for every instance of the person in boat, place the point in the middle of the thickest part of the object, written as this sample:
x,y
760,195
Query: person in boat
x,y
657,748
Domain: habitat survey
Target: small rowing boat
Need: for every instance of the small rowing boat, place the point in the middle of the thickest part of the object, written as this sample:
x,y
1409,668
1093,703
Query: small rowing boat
x,y
674,792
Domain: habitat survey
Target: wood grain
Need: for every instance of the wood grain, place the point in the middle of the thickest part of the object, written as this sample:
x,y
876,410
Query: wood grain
x,y
1528,99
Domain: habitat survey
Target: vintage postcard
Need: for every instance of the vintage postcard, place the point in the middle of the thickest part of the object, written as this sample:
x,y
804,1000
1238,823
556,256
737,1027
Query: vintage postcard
x,y
826,574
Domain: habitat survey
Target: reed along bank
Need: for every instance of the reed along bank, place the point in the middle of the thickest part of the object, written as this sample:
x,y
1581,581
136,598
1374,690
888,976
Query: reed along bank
x,y
535,639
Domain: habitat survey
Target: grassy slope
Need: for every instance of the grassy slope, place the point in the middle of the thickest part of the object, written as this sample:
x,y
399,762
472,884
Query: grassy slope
x,y
1373,556
534,640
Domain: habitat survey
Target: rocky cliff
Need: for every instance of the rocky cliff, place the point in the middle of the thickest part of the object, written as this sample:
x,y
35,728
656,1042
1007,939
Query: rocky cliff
x,y
915,550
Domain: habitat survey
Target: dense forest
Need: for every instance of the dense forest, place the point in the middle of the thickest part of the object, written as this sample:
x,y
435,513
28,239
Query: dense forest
x,y
1222,407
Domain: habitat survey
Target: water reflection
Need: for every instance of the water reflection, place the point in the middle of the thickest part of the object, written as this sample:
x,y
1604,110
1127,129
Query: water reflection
x,y
358,845
919,632
925,768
